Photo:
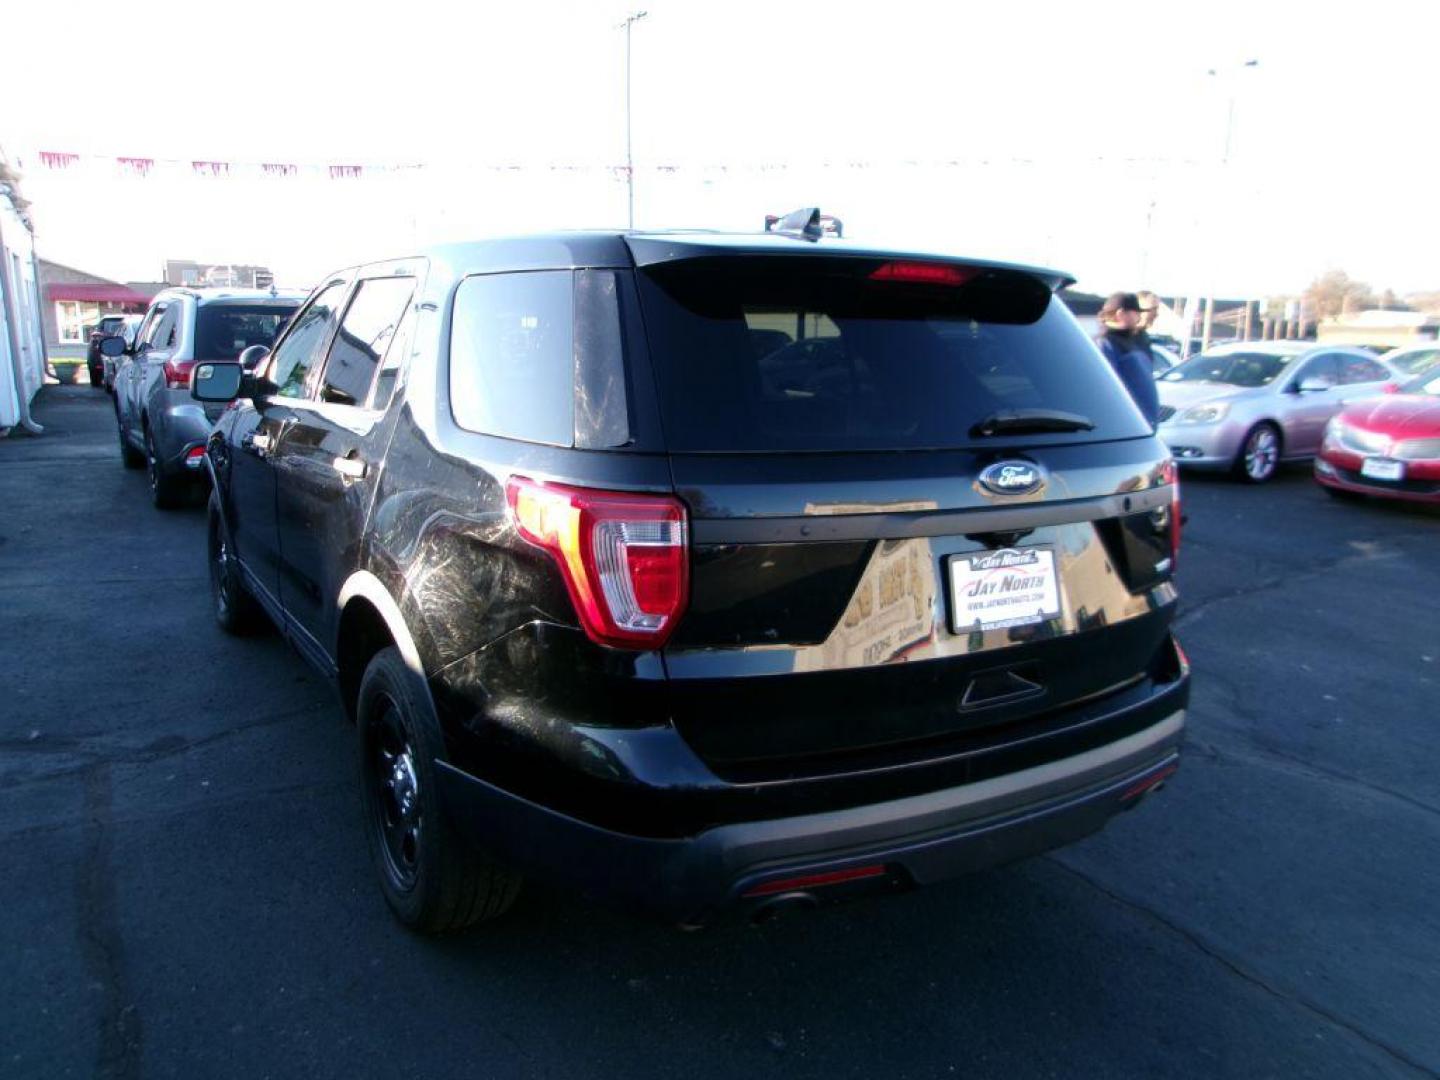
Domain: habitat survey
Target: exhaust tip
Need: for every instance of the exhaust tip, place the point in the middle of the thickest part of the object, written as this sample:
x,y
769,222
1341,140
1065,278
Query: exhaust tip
x,y
785,904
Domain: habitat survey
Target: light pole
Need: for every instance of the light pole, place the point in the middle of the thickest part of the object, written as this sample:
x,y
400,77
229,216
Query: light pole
x,y
630,20
1225,176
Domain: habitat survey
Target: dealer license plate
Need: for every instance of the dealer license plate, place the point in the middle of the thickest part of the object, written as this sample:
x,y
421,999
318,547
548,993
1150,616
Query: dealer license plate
x,y
990,590
1379,468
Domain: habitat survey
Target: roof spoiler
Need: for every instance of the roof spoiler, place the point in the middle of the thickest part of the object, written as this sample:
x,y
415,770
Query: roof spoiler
x,y
807,223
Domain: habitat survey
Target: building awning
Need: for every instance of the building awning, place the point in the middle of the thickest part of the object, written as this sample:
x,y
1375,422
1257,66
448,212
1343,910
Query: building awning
x,y
97,294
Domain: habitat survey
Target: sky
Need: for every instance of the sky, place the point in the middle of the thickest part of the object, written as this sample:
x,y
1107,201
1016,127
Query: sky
x,y
1089,137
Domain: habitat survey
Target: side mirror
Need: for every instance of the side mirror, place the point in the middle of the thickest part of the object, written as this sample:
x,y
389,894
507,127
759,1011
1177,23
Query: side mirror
x,y
1314,386
253,357
216,382
112,346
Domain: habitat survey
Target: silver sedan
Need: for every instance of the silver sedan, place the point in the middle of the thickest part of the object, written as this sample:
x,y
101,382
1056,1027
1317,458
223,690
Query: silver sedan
x,y
1252,405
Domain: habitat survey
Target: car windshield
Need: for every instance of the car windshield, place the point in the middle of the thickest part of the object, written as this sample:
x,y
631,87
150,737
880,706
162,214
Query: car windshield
x,y
1234,369
764,355
1415,361
224,331
1428,384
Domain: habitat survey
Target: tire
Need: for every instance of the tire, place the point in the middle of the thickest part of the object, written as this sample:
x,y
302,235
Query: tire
x,y
235,609
166,492
129,456
1259,457
433,880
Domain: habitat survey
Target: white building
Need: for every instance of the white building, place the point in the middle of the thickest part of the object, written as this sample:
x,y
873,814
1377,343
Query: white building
x,y
22,341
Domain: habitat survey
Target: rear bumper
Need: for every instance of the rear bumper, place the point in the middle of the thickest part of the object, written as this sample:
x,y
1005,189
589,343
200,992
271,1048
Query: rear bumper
x,y
179,425
917,840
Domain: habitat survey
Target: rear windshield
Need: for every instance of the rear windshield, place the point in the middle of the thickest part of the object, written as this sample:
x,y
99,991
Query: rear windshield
x,y
224,331
1233,369
799,354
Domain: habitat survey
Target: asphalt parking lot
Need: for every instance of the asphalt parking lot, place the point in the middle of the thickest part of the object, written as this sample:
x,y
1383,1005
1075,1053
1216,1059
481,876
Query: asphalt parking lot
x,y
186,891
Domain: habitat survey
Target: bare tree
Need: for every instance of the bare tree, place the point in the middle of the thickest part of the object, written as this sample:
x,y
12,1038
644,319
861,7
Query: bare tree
x,y
1336,293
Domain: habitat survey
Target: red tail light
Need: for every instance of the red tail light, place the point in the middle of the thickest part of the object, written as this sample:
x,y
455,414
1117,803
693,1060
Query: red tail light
x,y
925,273
625,558
1171,476
177,374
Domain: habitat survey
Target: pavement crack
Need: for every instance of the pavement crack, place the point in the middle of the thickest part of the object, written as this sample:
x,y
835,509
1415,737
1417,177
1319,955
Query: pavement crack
x,y
1263,753
1253,978
157,750
152,816
1194,612
98,929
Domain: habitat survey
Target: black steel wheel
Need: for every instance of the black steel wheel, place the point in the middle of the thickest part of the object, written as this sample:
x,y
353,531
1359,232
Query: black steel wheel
x,y
235,609
129,456
432,878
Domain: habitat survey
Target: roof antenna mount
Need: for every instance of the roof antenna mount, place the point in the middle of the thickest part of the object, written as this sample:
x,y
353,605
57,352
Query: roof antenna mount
x,y
805,223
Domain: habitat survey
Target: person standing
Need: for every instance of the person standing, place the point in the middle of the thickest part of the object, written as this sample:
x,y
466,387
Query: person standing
x,y
1149,312
1128,352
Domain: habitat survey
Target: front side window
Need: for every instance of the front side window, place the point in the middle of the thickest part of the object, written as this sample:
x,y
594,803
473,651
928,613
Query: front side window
x,y
365,334
1323,368
166,332
512,356
304,345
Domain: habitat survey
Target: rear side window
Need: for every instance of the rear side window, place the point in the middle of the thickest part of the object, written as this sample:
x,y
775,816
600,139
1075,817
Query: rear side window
x,y
512,356
799,354
365,334
224,331
1357,369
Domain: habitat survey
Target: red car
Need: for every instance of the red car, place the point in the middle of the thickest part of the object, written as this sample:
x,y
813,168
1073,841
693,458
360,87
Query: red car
x,y
1387,446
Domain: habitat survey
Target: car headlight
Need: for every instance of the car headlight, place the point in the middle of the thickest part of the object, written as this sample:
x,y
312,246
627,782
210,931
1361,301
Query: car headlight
x,y
1205,414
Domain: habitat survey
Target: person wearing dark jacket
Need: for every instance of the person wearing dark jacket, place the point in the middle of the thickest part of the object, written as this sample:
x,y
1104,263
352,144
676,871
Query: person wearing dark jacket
x,y
1128,354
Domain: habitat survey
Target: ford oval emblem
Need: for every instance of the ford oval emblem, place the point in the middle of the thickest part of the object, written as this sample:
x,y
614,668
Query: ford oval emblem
x,y
1012,478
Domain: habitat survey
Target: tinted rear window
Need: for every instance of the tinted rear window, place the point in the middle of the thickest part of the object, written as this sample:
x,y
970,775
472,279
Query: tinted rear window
x,y
224,331
799,354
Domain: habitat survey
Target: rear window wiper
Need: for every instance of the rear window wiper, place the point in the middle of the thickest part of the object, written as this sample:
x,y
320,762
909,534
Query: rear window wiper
x,y
1029,422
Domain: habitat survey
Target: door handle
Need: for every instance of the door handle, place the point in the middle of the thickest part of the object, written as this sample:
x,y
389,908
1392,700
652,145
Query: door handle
x,y
256,444
351,468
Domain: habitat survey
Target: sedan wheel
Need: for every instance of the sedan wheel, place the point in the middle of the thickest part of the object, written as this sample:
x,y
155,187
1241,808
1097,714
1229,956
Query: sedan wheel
x,y
1260,456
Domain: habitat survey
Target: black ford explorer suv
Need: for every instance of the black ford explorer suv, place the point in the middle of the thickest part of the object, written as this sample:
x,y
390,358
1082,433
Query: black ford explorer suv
x,y
707,573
